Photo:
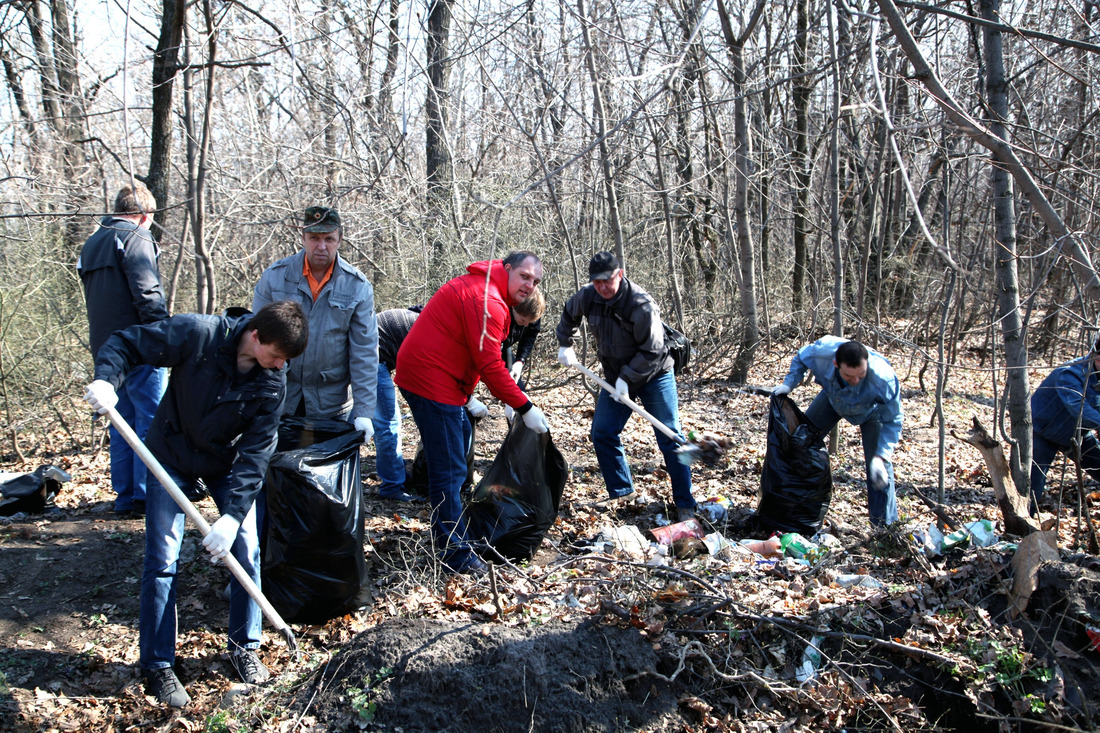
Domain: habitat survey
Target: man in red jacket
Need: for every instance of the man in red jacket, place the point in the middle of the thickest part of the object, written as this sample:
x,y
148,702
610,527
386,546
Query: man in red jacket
x,y
453,345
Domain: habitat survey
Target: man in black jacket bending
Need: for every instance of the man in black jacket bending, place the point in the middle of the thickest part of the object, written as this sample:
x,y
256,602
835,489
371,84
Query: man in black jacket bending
x,y
217,425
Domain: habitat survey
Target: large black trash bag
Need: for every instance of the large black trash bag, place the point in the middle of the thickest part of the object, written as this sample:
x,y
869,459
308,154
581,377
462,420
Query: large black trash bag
x,y
517,501
416,481
313,565
32,493
797,483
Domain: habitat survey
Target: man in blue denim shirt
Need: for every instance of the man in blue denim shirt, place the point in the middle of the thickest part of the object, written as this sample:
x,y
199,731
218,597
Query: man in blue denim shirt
x,y
1064,408
859,385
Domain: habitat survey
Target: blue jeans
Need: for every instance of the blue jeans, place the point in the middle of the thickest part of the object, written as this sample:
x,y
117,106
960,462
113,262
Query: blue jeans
x,y
138,398
1043,452
164,528
387,437
445,432
882,503
658,397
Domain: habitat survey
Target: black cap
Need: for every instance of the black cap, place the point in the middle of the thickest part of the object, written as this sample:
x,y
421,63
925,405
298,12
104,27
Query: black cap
x,y
320,219
602,266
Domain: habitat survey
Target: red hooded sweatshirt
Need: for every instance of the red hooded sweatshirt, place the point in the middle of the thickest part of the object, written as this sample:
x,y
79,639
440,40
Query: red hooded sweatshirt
x,y
455,342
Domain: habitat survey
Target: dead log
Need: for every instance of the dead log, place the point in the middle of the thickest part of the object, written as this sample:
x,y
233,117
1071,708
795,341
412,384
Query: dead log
x,y
1014,507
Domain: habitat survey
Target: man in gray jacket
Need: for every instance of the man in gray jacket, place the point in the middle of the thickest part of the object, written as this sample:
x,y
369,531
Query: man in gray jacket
x,y
337,376
118,268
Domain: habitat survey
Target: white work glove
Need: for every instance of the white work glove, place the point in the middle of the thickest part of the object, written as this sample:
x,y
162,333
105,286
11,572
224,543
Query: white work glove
x,y
622,389
781,390
535,420
101,396
476,407
878,475
517,369
365,424
221,536
509,414
567,357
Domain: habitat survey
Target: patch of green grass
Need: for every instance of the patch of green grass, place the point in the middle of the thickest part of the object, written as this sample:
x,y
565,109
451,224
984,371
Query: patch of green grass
x,y
217,723
362,699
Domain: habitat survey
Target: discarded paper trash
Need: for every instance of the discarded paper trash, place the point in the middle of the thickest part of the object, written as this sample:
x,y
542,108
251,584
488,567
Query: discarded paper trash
x,y
626,538
671,533
716,543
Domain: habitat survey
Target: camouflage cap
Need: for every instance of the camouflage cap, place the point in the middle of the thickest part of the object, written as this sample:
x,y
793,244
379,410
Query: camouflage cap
x,y
320,219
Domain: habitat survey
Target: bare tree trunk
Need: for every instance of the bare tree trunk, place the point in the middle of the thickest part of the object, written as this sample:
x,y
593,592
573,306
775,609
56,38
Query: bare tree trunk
x,y
437,149
750,332
834,182
601,131
165,65
800,94
1017,391
198,146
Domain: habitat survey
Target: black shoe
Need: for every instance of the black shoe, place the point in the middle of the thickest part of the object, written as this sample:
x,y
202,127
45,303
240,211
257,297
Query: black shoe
x,y
613,502
475,567
683,514
249,667
163,684
134,511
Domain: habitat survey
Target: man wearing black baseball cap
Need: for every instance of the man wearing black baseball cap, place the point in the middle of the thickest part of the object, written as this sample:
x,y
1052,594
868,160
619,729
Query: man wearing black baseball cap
x,y
631,348
337,375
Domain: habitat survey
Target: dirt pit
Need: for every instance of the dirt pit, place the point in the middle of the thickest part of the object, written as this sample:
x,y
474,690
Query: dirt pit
x,y
416,674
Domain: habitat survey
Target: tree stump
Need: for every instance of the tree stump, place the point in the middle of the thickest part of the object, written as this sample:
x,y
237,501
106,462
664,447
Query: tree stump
x,y
1014,507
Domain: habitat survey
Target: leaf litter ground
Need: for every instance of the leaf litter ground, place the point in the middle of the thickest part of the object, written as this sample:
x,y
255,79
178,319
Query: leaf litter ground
x,y
583,638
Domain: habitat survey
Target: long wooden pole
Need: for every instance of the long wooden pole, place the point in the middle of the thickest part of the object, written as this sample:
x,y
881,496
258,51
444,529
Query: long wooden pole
x,y
199,521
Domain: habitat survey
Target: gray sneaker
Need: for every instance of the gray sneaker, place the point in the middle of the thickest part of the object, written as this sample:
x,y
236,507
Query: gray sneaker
x,y
249,667
163,684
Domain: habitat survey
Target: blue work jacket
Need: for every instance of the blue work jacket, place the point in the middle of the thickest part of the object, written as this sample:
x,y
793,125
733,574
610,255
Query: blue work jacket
x,y
1066,401
876,397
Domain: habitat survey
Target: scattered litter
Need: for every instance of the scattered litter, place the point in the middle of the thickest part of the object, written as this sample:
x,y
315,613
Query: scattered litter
x,y
827,541
662,521
848,580
716,543
671,533
811,660
711,510
978,533
685,548
626,538
1094,637
796,546
771,546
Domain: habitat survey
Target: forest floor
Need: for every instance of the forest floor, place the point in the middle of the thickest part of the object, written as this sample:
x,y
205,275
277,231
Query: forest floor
x,y
875,635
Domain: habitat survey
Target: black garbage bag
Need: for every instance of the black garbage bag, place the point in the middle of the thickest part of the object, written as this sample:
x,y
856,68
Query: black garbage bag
x,y
517,501
313,563
416,481
32,493
797,483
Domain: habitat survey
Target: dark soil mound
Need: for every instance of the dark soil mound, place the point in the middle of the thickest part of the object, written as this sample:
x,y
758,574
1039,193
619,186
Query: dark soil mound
x,y
419,675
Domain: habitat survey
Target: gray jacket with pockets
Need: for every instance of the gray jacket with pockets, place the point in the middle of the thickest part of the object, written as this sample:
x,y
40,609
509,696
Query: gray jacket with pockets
x,y
337,374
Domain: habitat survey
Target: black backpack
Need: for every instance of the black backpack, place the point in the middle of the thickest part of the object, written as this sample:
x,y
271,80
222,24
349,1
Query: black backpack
x,y
679,348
